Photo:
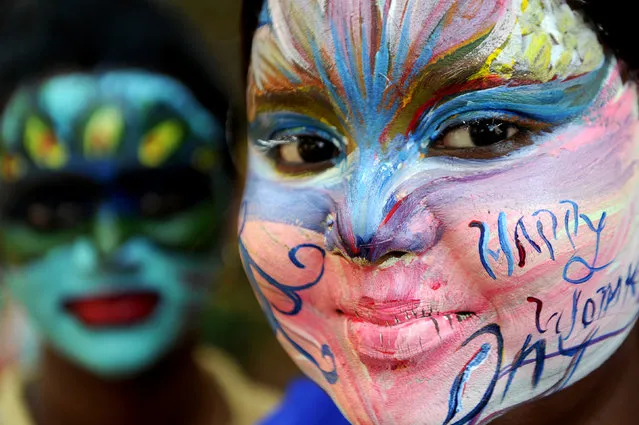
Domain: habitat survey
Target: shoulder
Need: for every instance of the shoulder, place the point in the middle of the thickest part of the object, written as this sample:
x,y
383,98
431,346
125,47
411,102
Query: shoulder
x,y
13,409
248,401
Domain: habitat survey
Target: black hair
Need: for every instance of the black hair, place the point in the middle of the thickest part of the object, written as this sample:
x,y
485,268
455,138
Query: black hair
x,y
613,20
38,37
251,10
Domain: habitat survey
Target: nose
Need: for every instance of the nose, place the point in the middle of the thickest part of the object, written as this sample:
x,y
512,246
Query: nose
x,y
103,249
107,231
375,222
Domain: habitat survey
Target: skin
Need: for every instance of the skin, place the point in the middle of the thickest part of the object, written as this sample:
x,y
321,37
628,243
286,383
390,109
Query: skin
x,y
440,214
103,246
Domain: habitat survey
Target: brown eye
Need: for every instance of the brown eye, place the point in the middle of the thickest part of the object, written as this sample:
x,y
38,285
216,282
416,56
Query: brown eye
x,y
306,153
159,206
477,134
54,217
40,216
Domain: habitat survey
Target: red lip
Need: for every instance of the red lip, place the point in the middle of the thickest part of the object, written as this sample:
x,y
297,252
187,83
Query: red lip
x,y
396,312
116,310
398,330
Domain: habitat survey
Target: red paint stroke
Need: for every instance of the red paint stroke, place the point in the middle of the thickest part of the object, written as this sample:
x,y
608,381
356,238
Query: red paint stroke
x,y
393,210
521,251
488,82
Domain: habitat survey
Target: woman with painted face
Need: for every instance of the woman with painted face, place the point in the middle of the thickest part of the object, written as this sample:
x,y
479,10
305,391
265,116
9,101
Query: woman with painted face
x,y
440,218
115,183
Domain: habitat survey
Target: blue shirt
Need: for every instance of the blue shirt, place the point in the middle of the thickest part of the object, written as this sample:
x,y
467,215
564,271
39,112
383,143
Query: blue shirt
x,y
305,403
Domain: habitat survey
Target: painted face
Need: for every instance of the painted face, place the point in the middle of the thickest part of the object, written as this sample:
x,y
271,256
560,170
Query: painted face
x,y
441,216
109,213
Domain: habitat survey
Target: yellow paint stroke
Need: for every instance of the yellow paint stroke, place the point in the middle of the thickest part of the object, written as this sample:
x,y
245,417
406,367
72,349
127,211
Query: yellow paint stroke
x,y
160,143
103,132
43,146
502,69
538,54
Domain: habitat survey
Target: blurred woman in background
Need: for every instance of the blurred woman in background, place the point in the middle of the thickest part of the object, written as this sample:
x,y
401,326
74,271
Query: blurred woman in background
x,y
115,184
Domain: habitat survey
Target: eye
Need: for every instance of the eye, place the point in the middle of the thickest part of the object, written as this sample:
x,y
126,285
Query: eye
x,y
158,206
305,153
56,204
478,133
45,218
160,194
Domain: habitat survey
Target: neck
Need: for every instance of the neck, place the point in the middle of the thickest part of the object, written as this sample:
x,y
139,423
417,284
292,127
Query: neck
x,y
172,392
607,395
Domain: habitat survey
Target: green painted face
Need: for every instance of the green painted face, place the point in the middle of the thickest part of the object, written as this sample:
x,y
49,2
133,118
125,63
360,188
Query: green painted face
x,y
112,193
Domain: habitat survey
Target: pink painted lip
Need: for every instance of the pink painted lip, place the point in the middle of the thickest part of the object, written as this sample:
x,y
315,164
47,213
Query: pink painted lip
x,y
400,330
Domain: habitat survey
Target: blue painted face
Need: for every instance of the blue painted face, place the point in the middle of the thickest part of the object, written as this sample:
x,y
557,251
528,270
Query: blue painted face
x,y
114,192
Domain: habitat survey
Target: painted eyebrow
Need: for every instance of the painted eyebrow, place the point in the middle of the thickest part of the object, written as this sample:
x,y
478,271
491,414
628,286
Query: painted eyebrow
x,y
452,90
304,100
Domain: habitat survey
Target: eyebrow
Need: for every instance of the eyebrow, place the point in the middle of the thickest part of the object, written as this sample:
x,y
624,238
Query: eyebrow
x,y
482,83
304,100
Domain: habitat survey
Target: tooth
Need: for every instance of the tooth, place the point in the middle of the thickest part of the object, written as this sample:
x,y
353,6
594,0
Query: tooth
x,y
464,316
396,320
414,314
450,320
381,339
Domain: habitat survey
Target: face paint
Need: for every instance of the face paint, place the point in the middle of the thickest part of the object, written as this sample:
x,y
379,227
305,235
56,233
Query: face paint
x,y
109,213
441,213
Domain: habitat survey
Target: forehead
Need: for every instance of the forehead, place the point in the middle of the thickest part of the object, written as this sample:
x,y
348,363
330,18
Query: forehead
x,y
364,56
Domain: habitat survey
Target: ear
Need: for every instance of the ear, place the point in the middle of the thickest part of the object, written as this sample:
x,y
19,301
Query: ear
x,y
103,132
42,144
161,142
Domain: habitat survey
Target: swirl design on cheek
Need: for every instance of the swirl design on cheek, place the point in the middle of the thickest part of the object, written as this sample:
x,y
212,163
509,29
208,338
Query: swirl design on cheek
x,y
292,293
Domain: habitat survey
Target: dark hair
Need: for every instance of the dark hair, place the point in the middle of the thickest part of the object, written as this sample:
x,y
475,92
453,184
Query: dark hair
x,y
38,37
612,19
250,16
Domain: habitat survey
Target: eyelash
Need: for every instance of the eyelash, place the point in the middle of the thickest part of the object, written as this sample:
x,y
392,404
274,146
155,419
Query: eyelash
x,y
278,138
451,124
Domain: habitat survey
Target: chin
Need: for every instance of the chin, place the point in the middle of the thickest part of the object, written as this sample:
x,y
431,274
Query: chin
x,y
116,353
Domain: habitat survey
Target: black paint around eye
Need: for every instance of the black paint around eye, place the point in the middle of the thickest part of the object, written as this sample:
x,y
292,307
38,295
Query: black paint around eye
x,y
313,149
488,132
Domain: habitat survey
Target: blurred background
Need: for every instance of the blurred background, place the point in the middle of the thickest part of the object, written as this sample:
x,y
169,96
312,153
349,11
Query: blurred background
x,y
234,320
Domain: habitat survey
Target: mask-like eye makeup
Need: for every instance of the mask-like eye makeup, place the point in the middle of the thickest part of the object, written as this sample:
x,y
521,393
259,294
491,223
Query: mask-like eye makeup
x,y
61,202
159,194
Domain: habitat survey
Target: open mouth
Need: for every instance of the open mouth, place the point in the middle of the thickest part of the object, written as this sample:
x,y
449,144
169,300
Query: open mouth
x,y
401,330
114,310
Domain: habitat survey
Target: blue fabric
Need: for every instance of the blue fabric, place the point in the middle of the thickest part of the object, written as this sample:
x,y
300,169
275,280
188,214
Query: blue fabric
x,y
305,403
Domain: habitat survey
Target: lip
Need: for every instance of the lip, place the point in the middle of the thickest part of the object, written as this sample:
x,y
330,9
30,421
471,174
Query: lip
x,y
401,330
113,310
